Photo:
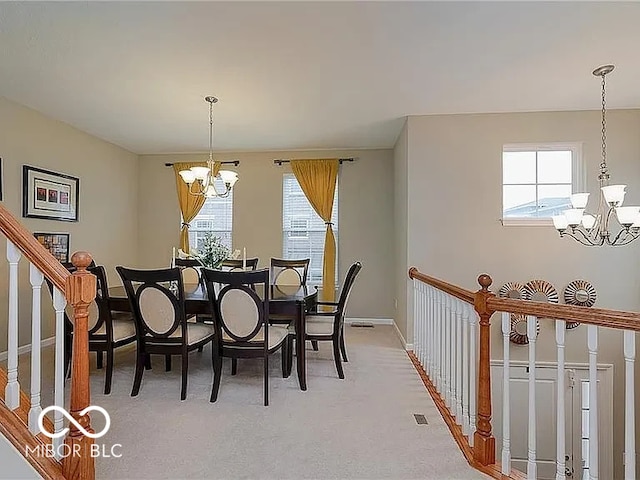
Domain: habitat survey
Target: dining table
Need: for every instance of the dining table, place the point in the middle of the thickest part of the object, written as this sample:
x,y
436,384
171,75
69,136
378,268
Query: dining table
x,y
289,300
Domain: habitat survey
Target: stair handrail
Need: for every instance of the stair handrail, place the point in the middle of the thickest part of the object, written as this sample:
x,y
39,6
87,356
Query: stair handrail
x,y
31,248
79,290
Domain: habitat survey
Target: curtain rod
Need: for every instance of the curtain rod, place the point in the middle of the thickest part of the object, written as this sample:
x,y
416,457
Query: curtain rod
x,y
280,161
234,162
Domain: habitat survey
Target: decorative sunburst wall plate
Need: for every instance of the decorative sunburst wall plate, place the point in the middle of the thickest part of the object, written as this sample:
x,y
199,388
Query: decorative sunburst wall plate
x,y
513,290
540,291
580,293
518,333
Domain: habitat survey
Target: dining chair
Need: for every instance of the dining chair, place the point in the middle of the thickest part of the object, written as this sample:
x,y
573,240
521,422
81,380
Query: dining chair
x,y
190,269
329,325
232,265
289,272
156,298
108,330
239,304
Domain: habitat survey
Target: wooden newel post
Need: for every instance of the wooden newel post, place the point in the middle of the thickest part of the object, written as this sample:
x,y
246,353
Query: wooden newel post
x,y
484,443
80,291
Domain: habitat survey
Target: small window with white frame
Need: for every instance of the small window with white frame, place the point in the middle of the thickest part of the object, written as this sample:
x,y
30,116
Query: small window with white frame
x,y
538,180
216,217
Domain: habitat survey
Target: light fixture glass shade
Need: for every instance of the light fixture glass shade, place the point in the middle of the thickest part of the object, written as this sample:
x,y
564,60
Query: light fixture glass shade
x,y
574,216
579,200
588,221
614,194
627,215
228,177
200,173
187,175
560,222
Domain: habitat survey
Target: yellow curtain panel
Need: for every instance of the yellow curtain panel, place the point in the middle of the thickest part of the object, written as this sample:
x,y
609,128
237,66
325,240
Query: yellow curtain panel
x,y
190,204
317,178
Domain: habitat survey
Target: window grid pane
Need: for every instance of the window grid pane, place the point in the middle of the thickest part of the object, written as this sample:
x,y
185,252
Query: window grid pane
x,y
303,231
215,216
551,171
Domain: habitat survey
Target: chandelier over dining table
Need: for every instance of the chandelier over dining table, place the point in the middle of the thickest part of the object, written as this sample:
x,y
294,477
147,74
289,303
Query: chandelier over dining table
x,y
598,229
201,179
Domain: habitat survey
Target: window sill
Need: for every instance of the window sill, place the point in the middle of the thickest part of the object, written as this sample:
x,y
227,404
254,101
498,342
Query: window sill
x,y
527,222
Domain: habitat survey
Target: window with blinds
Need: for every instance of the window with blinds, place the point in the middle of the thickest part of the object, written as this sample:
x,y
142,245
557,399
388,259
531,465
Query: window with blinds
x,y
303,230
216,216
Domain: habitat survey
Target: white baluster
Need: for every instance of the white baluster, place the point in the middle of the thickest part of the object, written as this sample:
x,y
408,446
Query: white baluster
x,y
629,407
506,413
465,370
416,320
59,303
36,278
459,307
439,340
473,362
531,445
592,342
560,419
447,351
12,390
452,355
423,325
429,332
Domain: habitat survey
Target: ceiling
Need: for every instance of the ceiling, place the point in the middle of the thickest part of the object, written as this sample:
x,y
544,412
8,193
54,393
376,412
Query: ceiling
x,y
304,75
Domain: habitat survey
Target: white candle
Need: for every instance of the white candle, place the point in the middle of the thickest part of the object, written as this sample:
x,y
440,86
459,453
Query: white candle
x,y
173,257
244,258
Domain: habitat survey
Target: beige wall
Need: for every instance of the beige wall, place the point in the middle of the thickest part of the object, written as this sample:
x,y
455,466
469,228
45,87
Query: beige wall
x,y
455,206
401,179
365,216
107,226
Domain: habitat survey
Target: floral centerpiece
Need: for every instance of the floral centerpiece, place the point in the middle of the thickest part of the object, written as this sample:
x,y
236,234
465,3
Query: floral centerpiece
x,y
213,252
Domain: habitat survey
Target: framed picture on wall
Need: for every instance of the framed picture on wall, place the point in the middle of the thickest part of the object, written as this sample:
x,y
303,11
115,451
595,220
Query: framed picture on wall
x,y
56,243
49,195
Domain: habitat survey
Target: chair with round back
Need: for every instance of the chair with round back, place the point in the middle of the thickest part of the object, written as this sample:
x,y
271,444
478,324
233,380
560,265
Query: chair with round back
x,y
233,264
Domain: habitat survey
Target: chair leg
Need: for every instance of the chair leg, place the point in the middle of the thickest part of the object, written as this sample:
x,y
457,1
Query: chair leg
x,y
68,342
266,380
343,347
185,368
314,344
147,362
167,363
234,366
336,357
109,372
99,359
290,350
217,372
137,380
285,357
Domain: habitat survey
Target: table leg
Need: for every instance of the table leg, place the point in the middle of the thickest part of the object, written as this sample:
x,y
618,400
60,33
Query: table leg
x,y
300,347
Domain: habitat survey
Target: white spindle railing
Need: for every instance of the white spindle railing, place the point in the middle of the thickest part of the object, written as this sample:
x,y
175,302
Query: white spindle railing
x,y
36,278
446,345
506,415
560,399
445,338
532,471
12,390
592,344
629,406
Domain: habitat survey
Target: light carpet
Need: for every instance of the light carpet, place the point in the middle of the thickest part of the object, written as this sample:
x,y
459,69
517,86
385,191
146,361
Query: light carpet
x,y
361,427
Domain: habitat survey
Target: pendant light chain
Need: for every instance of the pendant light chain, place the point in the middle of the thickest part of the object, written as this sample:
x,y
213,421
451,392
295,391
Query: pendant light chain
x,y
211,131
603,165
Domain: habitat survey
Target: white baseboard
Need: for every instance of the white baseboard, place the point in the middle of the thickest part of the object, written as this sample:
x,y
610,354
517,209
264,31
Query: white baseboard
x,y
27,348
374,321
405,345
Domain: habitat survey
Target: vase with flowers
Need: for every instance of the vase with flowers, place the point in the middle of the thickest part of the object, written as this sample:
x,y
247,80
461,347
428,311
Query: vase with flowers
x,y
213,252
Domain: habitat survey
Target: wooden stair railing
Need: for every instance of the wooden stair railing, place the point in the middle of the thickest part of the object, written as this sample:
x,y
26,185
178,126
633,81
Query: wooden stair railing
x,y
442,305
79,291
